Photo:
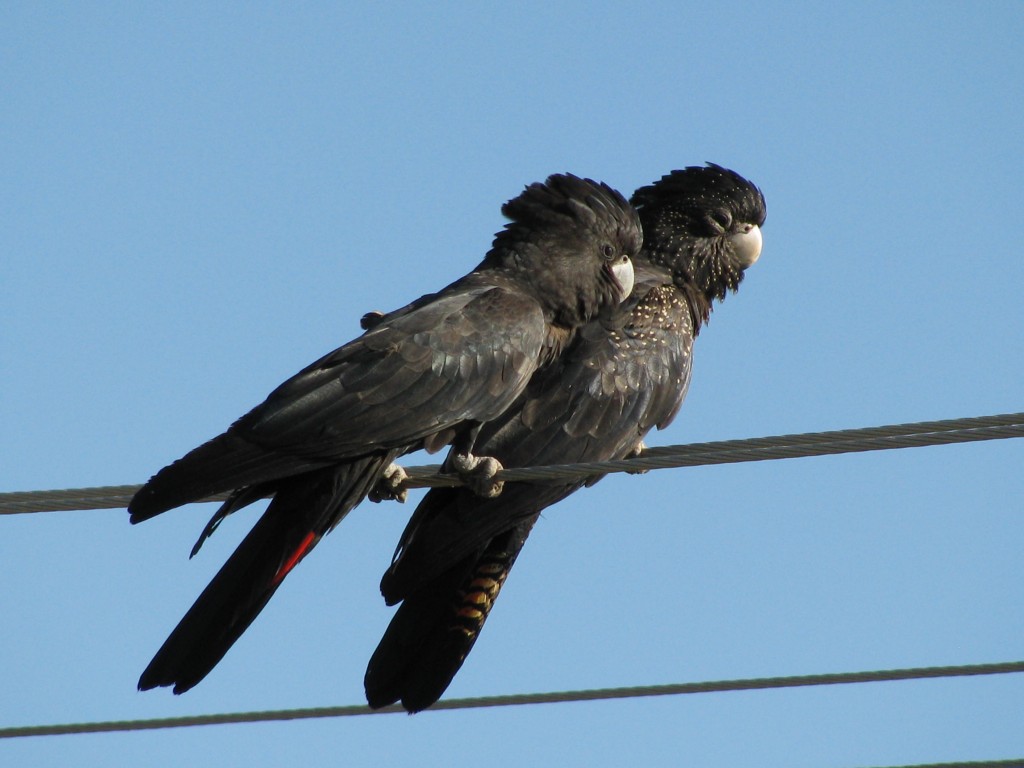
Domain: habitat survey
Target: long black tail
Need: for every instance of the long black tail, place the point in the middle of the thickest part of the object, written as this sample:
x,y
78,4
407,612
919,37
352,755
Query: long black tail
x,y
303,510
435,627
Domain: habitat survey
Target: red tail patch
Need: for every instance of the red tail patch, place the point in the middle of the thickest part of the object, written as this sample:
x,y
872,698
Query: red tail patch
x,y
299,553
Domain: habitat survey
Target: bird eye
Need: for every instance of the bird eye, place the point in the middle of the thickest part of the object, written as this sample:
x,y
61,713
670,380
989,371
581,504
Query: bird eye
x,y
719,221
608,250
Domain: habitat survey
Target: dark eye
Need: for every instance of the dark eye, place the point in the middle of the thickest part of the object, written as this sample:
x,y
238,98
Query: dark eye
x,y
608,250
720,220
723,219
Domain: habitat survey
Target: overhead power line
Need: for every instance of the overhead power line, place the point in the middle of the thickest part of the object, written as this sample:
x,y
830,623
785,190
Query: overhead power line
x,y
913,435
1016,763
600,694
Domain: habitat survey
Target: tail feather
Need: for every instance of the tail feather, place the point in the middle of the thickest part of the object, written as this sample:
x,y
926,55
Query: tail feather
x,y
222,464
303,510
434,629
239,499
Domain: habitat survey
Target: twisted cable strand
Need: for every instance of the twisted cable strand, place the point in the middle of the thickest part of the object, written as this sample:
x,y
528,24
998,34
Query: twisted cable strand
x,y
508,700
910,435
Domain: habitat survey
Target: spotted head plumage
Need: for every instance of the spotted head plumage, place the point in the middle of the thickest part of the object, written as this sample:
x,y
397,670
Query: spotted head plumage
x,y
703,223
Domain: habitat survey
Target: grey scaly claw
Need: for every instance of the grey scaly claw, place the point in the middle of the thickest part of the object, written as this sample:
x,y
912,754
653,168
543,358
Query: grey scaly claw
x,y
477,473
637,451
390,485
371,320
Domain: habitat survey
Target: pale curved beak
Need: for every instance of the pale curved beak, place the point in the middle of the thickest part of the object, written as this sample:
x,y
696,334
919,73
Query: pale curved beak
x,y
748,245
623,272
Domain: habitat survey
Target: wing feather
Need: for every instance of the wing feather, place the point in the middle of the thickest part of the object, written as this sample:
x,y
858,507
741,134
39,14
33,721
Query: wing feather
x,y
401,384
406,378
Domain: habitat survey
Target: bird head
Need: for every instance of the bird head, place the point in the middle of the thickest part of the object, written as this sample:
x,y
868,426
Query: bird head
x,y
703,223
572,241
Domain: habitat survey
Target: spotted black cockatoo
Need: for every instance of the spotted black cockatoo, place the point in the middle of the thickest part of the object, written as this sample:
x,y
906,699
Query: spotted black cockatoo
x,y
428,375
618,380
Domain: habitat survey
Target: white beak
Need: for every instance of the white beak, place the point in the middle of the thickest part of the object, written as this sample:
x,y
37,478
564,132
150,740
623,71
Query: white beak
x,y
748,245
623,272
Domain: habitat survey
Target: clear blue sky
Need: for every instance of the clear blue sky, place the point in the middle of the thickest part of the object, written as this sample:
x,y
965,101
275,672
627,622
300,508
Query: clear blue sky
x,y
197,200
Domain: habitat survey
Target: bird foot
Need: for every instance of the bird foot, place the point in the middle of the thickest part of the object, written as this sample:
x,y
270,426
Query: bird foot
x,y
371,320
477,473
389,486
637,451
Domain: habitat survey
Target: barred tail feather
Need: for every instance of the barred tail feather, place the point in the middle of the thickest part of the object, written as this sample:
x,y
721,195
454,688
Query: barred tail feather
x,y
435,628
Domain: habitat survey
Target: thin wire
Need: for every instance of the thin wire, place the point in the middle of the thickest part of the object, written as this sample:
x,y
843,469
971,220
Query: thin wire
x,y
912,435
1017,763
732,451
600,694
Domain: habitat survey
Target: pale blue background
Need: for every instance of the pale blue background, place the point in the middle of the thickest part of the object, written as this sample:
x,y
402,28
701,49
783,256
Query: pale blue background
x,y
198,200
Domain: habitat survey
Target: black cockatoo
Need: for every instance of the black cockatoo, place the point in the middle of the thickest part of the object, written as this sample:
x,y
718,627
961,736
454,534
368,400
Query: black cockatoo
x,y
428,375
621,377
